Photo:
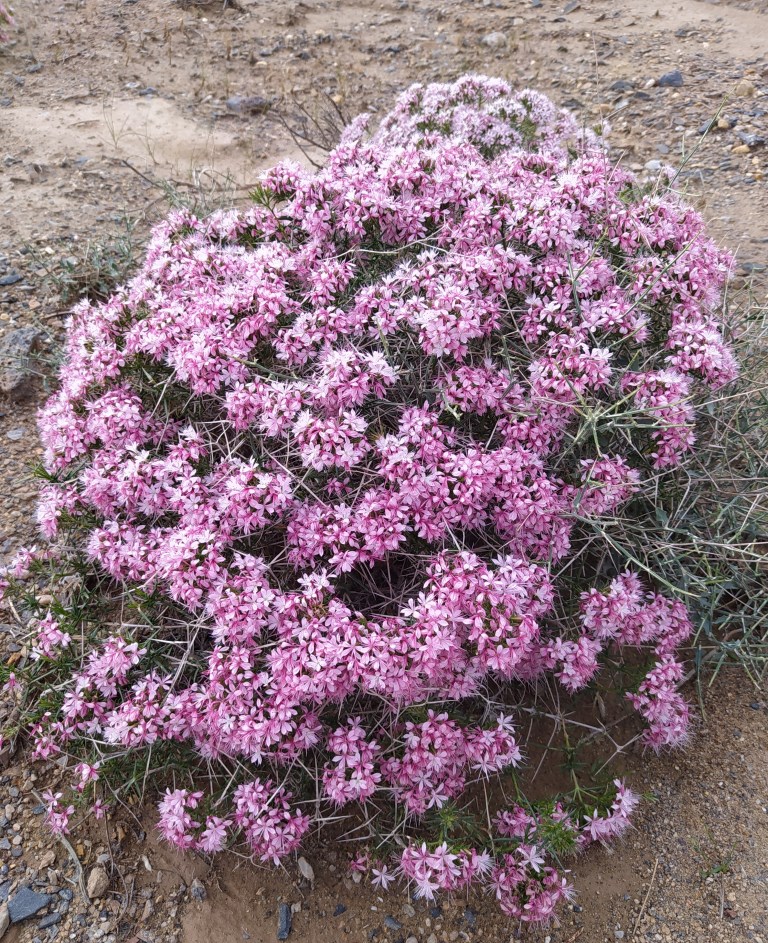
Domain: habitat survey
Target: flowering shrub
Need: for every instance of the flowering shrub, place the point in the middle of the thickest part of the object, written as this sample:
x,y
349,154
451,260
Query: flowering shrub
x,y
6,23
326,483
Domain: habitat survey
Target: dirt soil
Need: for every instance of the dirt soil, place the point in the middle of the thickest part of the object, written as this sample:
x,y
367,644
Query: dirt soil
x,y
105,105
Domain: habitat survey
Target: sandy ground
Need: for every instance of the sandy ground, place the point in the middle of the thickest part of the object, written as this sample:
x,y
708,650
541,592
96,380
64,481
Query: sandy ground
x,y
103,100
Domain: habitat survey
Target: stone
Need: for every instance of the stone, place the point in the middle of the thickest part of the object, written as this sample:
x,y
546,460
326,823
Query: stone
x,y
495,40
98,882
197,890
47,860
283,922
391,924
619,934
248,105
409,910
339,910
16,347
306,870
5,920
750,139
50,921
672,79
654,166
744,89
11,279
25,903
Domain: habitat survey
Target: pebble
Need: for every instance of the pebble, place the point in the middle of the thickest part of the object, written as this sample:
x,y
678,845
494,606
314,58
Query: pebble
x,y
671,80
49,921
5,920
619,934
392,924
15,435
197,890
98,882
744,89
495,40
283,922
26,903
409,910
339,910
16,348
306,870
11,279
248,105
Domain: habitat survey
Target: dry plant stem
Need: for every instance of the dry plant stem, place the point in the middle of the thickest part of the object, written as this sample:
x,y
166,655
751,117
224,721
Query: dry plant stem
x,y
645,901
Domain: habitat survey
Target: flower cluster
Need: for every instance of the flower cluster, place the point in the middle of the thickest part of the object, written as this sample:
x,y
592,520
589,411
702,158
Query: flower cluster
x,y
345,442
6,22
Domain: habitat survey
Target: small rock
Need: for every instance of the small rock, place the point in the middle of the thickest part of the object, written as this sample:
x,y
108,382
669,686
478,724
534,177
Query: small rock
x,y
98,882
391,924
744,89
751,140
50,921
653,165
469,916
283,922
296,908
26,903
5,920
672,79
409,910
248,105
737,149
495,40
622,86
197,890
16,348
411,939
619,934
571,7
11,279
47,860
340,909
306,870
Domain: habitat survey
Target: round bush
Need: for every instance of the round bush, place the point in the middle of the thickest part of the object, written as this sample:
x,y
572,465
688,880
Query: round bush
x,y
326,483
